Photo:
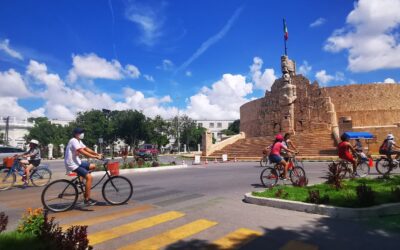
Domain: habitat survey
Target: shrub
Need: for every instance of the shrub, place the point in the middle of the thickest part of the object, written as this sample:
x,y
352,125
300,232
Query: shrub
x,y
155,164
281,194
3,222
31,222
395,194
315,197
74,238
334,175
365,195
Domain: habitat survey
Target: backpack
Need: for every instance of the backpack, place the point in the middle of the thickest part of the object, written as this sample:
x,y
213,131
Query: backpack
x,y
384,147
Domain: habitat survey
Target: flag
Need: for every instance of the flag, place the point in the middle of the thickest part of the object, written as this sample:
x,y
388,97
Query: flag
x,y
285,30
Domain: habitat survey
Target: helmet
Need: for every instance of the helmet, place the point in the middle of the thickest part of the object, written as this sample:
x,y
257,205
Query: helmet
x,y
279,137
33,141
390,137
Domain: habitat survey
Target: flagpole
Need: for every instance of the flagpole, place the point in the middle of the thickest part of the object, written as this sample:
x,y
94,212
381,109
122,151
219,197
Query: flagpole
x,y
284,38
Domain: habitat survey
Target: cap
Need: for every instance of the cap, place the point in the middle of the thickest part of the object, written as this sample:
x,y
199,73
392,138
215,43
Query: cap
x,y
33,141
279,137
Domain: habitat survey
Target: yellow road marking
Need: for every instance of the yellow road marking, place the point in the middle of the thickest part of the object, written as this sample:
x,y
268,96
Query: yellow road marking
x,y
298,245
236,238
171,236
110,216
135,226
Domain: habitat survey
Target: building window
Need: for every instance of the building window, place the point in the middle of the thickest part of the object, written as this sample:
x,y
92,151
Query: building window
x,y
211,125
219,125
200,125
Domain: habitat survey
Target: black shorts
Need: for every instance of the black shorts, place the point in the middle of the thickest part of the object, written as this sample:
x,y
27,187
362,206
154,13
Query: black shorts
x,y
35,163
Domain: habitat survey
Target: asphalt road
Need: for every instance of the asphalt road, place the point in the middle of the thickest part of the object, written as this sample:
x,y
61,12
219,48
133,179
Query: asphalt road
x,y
202,204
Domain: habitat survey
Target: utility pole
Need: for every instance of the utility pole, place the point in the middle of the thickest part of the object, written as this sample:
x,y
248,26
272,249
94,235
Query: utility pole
x,y
7,129
179,143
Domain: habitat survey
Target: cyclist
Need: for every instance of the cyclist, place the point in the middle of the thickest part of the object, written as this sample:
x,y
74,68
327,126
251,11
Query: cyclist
x,y
75,147
289,144
346,152
33,158
389,147
275,154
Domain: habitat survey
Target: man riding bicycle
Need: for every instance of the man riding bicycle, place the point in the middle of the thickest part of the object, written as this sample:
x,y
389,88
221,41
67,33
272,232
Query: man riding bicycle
x,y
346,152
275,154
389,147
32,159
289,144
75,147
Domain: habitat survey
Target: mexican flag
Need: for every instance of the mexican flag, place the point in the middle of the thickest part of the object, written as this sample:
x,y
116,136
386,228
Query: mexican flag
x,y
285,30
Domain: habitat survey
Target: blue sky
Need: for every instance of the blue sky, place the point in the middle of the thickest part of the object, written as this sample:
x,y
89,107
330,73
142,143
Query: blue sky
x,y
203,58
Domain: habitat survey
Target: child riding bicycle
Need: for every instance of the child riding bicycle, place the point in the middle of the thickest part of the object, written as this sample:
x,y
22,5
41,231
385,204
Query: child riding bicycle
x,y
275,154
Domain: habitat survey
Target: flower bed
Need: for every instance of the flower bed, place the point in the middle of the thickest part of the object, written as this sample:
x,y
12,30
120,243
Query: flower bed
x,y
356,193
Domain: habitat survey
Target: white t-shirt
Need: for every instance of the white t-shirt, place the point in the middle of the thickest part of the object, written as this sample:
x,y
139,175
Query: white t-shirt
x,y
72,160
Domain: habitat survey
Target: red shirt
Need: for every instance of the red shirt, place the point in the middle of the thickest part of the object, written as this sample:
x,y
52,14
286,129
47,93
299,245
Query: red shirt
x,y
277,147
344,151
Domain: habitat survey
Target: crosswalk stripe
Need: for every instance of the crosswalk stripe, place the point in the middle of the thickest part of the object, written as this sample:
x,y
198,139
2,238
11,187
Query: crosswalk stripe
x,y
298,245
132,227
236,238
111,216
171,236
79,211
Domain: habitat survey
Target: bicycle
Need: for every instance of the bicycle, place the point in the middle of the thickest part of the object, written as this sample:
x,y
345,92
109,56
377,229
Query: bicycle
x,y
384,165
346,168
39,176
61,195
264,161
270,175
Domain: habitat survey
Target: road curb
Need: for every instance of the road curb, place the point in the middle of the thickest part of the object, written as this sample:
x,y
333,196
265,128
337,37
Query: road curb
x,y
143,170
331,211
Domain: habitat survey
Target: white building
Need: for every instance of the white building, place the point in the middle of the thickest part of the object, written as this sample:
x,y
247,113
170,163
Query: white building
x,y
215,126
17,129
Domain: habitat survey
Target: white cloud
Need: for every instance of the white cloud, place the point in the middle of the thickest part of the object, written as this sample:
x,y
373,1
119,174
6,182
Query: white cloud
x,y
222,100
63,102
148,19
10,107
371,36
5,46
261,80
323,77
305,68
12,84
212,40
132,71
91,66
166,65
319,22
148,78
188,73
389,80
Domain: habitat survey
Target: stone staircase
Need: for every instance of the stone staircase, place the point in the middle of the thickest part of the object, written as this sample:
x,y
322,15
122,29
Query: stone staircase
x,y
310,144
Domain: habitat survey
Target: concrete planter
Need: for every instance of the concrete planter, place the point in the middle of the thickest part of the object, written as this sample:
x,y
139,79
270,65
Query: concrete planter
x,y
332,211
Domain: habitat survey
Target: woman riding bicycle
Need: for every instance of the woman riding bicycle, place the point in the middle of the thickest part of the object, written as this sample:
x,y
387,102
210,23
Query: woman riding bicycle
x,y
346,152
275,154
32,159
289,144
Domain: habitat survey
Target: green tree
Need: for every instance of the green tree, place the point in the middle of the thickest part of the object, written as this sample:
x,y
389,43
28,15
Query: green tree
x,y
158,131
190,133
233,129
131,126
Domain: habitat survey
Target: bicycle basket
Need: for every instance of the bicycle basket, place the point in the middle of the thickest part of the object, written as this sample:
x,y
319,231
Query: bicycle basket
x,y
8,162
113,167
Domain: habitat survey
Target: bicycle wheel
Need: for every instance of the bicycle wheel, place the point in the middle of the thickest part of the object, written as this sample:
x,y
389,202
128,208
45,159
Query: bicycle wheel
x,y
383,166
59,196
269,177
263,162
298,176
363,169
40,177
7,179
117,190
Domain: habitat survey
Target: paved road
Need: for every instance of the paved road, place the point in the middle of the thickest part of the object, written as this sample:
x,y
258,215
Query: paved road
x,y
202,206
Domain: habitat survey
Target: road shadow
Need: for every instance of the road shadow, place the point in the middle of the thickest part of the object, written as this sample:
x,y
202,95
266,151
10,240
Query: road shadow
x,y
322,233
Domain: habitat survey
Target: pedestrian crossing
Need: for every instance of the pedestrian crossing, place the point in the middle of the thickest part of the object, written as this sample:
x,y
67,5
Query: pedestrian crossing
x,y
155,218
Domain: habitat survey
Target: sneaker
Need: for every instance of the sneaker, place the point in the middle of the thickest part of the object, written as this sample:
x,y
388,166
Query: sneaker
x,y
89,202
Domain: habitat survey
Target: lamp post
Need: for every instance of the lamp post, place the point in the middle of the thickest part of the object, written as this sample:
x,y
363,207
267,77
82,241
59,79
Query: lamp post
x,y
107,113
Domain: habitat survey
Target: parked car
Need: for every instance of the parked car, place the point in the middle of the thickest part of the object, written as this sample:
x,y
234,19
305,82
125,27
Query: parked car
x,y
6,151
147,152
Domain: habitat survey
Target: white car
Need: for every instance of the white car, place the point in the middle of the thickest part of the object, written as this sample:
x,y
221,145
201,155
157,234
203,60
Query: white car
x,y
6,151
